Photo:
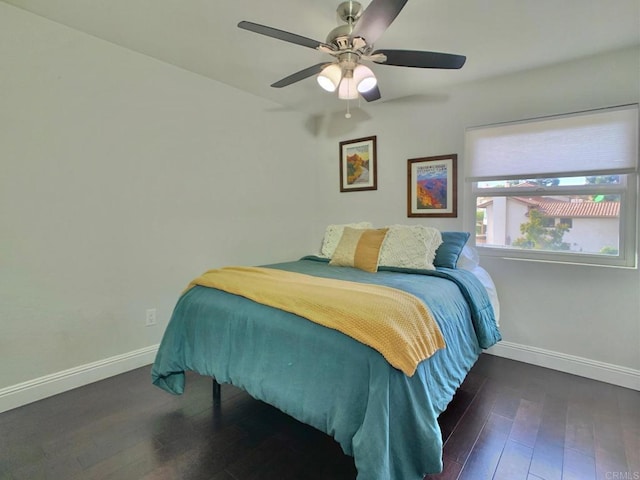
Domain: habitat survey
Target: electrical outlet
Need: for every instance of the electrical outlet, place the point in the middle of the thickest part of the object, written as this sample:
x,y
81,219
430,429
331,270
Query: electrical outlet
x,y
151,317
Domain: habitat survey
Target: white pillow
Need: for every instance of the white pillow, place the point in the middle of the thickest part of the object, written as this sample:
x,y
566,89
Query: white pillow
x,y
333,234
410,246
468,259
486,280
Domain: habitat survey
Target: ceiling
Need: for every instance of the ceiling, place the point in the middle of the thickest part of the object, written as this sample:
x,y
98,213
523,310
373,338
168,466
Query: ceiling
x,y
497,36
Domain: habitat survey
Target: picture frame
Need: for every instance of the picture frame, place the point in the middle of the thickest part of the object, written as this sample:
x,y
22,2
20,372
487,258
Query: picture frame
x,y
432,186
358,165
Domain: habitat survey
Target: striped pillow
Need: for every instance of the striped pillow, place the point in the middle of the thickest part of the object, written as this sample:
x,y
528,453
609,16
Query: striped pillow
x,y
359,248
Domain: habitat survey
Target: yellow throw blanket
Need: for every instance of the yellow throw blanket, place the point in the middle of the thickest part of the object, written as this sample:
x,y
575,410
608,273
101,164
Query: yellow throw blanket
x,y
395,323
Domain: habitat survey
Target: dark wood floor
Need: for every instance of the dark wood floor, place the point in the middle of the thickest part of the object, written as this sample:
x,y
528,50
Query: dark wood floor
x,y
509,420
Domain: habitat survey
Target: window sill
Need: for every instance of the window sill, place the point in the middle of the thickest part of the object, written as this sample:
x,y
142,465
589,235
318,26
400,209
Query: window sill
x,y
560,259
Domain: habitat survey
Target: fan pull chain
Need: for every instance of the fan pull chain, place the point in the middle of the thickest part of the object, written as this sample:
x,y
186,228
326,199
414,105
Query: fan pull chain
x,y
348,114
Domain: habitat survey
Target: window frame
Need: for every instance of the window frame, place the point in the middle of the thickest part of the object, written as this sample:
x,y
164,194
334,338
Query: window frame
x,y
627,223
627,235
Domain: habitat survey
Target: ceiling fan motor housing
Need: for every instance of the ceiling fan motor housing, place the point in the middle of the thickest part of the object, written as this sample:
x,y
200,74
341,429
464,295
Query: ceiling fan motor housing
x,y
339,36
349,11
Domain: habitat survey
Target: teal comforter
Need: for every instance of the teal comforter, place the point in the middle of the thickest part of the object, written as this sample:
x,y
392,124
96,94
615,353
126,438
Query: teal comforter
x,y
384,419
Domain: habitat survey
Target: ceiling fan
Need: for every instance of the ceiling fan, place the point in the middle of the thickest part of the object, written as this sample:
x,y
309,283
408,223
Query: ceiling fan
x,y
352,43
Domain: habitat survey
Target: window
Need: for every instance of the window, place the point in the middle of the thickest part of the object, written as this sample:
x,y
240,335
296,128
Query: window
x,y
567,221
547,222
561,188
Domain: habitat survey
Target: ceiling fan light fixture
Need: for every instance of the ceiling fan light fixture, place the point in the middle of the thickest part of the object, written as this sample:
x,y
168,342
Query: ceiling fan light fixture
x,y
364,78
347,89
330,76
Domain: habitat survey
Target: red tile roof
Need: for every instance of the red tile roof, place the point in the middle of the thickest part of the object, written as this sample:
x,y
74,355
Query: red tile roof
x,y
583,209
579,209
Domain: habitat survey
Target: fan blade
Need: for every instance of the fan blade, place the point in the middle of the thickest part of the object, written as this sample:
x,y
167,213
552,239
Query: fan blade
x,y
376,19
301,75
419,59
279,34
371,95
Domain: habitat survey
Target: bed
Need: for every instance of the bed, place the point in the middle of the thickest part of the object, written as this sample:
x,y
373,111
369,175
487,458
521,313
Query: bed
x,y
384,418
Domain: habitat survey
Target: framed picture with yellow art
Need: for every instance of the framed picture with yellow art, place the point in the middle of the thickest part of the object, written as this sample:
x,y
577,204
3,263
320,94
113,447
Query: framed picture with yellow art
x,y
432,186
358,167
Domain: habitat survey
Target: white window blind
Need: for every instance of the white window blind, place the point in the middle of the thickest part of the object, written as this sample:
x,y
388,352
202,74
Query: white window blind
x,y
579,144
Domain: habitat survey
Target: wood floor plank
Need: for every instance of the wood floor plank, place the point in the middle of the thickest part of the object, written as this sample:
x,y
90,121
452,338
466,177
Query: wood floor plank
x,y
526,423
610,452
514,462
455,410
632,449
579,433
548,452
119,464
578,466
451,470
547,460
629,408
508,420
48,468
460,443
507,402
16,454
483,459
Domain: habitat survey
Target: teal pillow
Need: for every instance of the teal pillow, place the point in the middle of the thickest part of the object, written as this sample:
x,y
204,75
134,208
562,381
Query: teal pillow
x,y
448,252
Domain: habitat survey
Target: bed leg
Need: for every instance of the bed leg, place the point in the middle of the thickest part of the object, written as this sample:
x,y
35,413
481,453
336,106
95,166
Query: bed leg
x,y
215,392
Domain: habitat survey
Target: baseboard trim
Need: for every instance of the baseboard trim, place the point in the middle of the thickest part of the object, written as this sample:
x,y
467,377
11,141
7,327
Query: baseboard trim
x,y
584,367
33,390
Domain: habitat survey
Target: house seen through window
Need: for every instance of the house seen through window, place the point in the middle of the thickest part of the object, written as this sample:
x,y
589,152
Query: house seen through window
x,y
571,223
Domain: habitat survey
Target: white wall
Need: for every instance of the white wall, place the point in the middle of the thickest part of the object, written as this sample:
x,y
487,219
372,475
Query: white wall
x,y
577,312
593,234
121,179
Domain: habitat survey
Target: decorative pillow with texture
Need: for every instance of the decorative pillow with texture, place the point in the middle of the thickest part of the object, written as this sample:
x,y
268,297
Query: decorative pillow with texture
x,y
410,246
359,248
332,236
452,244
